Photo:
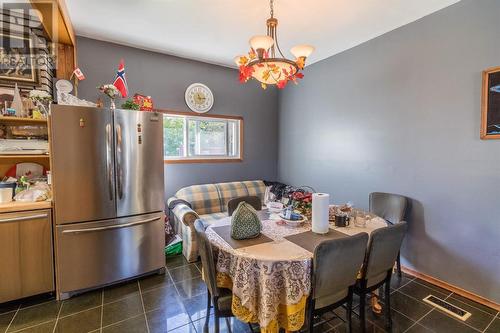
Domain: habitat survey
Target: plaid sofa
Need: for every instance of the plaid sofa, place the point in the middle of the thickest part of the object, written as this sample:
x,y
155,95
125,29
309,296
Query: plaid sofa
x,y
209,203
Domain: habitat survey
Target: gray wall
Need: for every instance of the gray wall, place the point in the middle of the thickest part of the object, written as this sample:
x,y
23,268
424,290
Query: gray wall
x,y
165,78
401,114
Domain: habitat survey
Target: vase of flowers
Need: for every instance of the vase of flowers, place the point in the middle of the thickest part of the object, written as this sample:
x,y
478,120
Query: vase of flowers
x,y
41,99
111,91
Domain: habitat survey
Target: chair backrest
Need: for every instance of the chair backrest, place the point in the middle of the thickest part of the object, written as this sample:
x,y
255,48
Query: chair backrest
x,y
391,207
383,250
254,201
207,258
336,264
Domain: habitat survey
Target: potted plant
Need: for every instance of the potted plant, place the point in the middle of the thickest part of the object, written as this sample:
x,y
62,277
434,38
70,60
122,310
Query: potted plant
x,y
130,105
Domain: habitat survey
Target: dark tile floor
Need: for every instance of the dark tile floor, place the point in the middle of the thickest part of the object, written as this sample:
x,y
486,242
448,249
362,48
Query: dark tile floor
x,y
176,302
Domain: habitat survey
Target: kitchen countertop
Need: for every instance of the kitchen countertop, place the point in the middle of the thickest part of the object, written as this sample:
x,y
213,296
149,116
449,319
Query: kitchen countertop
x,y
19,206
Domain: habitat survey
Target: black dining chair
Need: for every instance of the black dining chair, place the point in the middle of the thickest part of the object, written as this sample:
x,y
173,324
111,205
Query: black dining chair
x,y
383,249
392,208
221,298
334,269
254,201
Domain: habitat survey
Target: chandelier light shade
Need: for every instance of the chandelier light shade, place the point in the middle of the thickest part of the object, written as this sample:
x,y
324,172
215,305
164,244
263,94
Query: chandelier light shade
x,y
303,50
263,43
266,63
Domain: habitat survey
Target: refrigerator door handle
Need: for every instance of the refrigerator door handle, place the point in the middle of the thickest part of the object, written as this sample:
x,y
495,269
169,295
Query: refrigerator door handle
x,y
109,166
119,164
77,231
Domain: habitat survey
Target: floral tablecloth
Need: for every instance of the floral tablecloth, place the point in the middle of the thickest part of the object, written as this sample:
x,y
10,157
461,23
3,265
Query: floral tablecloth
x,y
271,281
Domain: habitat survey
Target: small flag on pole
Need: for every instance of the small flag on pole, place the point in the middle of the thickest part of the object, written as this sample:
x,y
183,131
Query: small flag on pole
x,y
79,74
120,80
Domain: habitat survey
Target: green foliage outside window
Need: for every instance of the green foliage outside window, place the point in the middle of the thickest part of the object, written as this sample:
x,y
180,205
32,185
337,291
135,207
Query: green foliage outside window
x,y
190,137
173,132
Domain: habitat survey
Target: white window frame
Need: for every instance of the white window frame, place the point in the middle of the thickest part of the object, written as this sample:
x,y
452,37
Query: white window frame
x,y
237,145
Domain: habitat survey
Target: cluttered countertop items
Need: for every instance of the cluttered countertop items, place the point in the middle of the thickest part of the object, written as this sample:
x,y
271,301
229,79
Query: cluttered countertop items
x,y
25,186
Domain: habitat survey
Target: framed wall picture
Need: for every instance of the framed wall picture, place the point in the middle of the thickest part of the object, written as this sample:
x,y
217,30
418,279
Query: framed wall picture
x,y
17,59
490,104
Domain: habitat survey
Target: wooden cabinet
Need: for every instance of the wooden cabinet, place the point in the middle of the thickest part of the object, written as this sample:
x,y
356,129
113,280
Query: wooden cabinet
x,y
26,259
26,250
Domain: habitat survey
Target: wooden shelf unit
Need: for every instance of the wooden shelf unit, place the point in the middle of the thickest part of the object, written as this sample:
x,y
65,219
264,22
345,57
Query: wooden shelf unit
x,y
23,157
8,160
19,120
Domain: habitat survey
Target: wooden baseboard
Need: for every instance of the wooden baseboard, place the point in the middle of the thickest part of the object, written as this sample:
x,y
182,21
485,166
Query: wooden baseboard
x,y
452,288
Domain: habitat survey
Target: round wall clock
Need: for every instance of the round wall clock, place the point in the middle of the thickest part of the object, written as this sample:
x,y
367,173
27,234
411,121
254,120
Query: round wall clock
x,y
199,98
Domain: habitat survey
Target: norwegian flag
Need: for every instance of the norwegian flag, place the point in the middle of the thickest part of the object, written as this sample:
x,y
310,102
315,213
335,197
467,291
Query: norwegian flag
x,y
120,80
79,74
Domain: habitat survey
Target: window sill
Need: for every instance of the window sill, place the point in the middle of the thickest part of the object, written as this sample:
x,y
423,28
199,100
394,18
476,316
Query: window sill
x,y
204,160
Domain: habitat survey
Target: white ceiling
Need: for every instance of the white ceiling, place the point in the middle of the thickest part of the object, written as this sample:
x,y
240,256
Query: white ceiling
x,y
215,31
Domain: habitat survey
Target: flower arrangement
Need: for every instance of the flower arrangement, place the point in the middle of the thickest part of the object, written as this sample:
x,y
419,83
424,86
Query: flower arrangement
x,y
280,76
40,96
302,202
109,90
41,99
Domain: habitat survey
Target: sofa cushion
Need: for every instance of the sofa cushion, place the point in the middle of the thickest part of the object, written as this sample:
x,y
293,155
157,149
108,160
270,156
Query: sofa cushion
x,y
255,187
228,191
204,199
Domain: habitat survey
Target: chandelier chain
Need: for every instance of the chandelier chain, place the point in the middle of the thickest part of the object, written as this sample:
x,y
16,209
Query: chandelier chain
x,y
271,5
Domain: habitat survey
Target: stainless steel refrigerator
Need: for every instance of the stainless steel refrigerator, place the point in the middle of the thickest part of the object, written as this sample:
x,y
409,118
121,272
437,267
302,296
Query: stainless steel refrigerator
x,y
107,181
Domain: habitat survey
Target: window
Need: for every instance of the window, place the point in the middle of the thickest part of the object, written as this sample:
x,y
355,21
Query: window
x,y
196,138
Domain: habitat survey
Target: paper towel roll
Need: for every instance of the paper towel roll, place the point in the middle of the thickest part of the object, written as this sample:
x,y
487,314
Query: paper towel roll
x,y
320,203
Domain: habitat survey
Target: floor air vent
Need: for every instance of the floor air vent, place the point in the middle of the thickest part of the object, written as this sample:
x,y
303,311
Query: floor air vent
x,y
450,309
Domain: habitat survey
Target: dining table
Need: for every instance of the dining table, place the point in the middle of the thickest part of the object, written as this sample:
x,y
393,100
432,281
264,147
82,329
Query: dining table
x,y
270,275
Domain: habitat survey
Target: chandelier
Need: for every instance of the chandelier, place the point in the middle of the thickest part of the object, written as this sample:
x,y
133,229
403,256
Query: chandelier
x,y
266,63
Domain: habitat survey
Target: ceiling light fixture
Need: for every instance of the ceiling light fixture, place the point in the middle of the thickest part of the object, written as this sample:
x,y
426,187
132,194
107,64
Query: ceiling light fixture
x,y
266,63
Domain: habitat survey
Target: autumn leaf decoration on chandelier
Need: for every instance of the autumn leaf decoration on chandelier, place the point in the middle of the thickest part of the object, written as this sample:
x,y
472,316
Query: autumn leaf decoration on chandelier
x,y
266,63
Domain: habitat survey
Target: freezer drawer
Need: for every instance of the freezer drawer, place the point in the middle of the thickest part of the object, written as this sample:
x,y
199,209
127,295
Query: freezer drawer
x,y
25,254
97,253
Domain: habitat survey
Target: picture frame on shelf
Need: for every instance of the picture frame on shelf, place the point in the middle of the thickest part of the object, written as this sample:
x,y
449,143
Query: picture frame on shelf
x,y
490,104
17,59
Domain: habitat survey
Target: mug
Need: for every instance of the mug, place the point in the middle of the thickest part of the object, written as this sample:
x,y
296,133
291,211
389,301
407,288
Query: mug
x,y
341,221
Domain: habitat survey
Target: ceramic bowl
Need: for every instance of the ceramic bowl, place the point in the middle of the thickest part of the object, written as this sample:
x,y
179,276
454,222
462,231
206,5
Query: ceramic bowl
x,y
294,223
